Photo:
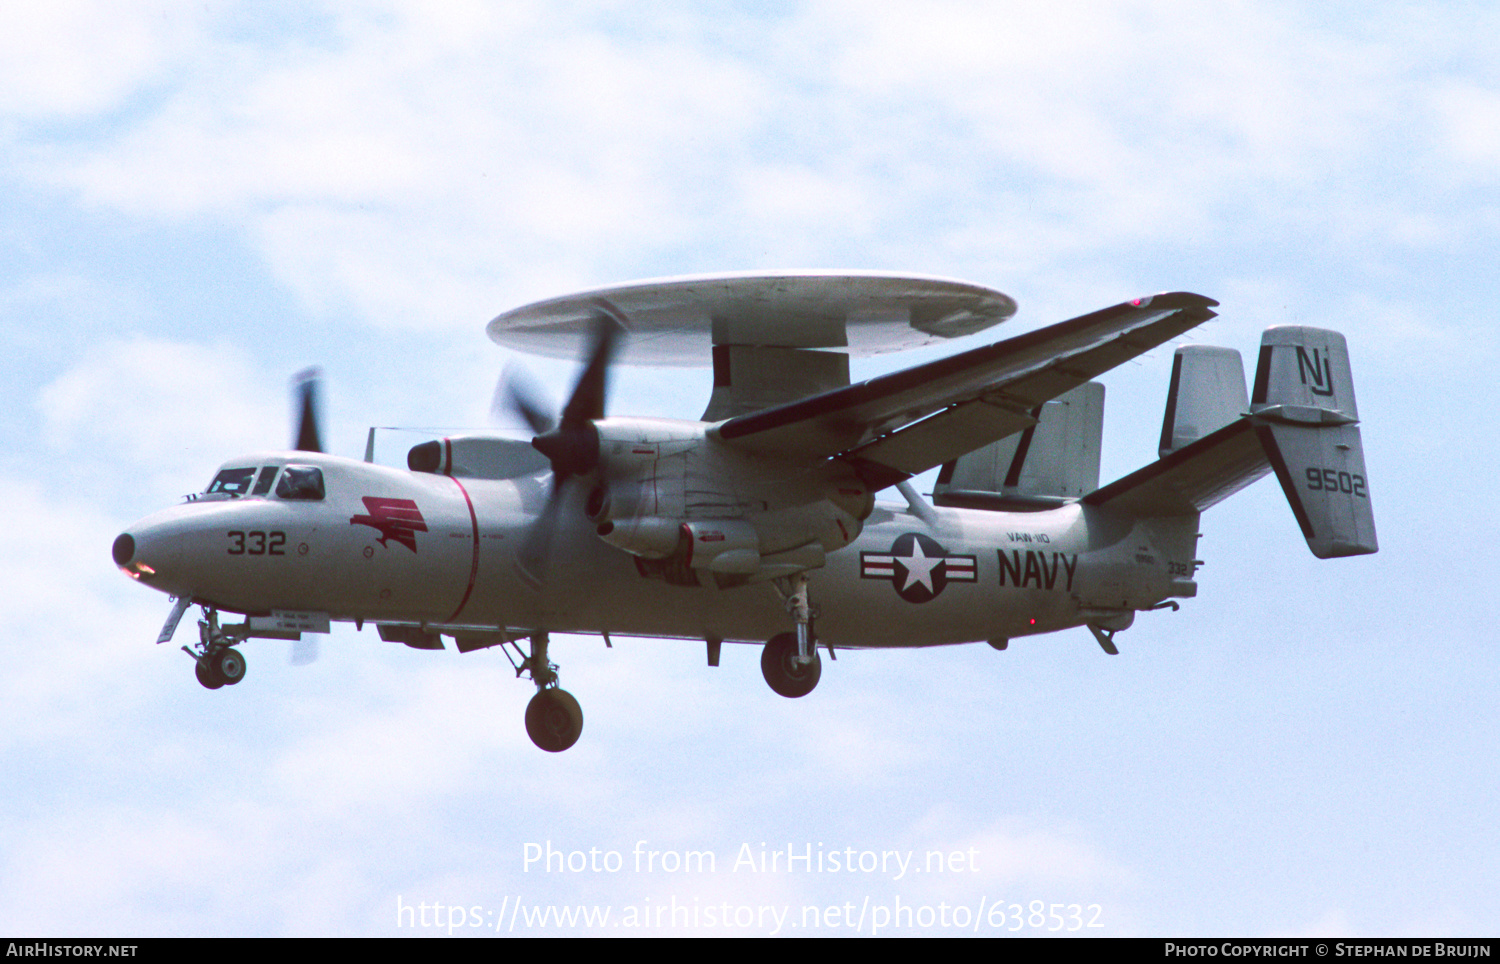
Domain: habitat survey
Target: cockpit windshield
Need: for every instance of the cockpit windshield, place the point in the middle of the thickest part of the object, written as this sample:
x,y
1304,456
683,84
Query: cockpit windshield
x,y
301,482
232,482
298,483
263,481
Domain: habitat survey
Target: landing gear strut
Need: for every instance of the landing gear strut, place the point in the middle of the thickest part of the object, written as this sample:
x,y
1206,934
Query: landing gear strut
x,y
218,663
790,661
554,720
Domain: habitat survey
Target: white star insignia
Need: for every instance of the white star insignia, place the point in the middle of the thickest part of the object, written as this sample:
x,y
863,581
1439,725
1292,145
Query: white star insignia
x,y
918,567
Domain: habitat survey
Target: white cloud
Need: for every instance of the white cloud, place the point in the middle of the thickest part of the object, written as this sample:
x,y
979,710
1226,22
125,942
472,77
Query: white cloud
x,y
411,741
73,58
486,150
170,410
1010,852
413,168
63,619
1331,923
1470,115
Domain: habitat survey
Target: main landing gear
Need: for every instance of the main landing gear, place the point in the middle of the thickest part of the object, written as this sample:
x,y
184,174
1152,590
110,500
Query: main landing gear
x,y
790,661
554,720
784,671
218,663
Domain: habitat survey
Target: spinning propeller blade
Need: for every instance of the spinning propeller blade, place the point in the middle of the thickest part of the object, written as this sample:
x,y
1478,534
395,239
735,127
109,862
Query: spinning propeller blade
x,y
305,397
587,402
518,393
572,446
304,651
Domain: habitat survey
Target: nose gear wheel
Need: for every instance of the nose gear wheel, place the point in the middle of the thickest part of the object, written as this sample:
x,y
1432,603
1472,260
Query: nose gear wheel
x,y
216,662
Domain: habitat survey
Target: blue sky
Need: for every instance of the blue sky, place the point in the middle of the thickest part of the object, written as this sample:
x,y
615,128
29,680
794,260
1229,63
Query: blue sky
x,y
201,199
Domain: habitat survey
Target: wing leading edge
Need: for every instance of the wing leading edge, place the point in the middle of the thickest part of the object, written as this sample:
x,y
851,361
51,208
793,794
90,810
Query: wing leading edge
x,y
897,425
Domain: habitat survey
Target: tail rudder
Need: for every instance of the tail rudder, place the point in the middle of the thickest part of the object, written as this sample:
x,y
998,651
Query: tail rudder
x,y
1305,372
1307,421
1208,448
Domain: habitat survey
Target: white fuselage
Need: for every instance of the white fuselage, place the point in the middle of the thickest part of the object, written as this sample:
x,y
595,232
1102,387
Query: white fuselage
x,y
386,545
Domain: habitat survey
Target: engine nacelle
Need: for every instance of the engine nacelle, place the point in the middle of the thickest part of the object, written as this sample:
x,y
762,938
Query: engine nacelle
x,y
476,457
646,536
687,506
727,546
724,546
622,499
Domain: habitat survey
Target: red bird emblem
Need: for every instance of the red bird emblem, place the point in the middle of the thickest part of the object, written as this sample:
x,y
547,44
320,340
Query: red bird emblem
x,y
398,519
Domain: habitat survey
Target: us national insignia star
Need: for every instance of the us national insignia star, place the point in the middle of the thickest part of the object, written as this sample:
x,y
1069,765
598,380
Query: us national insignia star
x,y
918,567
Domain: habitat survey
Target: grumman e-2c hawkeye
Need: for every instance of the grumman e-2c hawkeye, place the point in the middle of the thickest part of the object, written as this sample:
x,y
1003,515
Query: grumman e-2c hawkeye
x,y
759,521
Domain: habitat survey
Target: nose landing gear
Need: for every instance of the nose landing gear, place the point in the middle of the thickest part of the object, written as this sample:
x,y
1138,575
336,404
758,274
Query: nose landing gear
x,y
218,663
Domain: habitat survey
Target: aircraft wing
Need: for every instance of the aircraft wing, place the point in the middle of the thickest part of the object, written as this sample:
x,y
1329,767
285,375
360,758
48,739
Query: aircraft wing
x,y
897,425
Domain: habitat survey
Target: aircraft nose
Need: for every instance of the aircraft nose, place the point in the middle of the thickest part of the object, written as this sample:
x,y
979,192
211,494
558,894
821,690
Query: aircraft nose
x,y
147,553
124,549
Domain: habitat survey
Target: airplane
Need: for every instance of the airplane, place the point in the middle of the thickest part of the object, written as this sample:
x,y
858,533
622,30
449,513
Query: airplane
x,y
759,522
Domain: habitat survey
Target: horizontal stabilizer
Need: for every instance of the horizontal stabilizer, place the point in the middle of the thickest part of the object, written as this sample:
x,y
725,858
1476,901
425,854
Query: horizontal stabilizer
x,y
1192,478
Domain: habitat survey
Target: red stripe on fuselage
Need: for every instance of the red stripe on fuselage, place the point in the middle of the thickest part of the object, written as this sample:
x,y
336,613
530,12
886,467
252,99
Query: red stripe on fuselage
x,y
474,564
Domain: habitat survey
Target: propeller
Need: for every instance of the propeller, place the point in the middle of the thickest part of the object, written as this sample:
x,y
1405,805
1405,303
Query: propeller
x,y
305,398
304,651
571,443
518,393
308,438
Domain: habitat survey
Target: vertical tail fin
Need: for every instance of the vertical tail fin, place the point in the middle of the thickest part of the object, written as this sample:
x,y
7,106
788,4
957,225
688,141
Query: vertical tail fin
x,y
1207,393
1052,461
1307,421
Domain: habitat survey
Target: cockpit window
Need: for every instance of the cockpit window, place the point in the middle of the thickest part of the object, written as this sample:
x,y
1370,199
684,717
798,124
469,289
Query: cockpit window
x,y
302,482
263,481
233,482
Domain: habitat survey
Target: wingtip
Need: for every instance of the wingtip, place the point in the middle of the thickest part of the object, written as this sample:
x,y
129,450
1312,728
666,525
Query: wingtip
x,y
1175,299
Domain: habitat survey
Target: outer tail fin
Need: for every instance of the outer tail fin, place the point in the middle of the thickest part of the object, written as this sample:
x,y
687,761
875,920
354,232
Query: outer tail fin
x,y
1306,419
1302,425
